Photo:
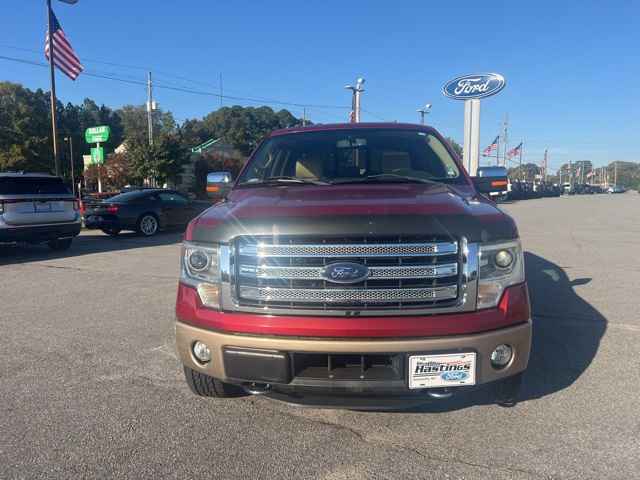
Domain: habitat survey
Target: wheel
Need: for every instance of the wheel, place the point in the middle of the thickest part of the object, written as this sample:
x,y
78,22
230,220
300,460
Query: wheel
x,y
206,386
113,232
60,244
505,392
148,225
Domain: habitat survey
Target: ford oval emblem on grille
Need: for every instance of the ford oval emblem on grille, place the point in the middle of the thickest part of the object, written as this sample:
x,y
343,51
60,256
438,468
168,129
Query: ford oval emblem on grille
x,y
345,272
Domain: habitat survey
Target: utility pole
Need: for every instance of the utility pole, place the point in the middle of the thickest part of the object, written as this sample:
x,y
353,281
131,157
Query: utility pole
x,y
615,174
355,99
54,123
304,117
150,108
424,111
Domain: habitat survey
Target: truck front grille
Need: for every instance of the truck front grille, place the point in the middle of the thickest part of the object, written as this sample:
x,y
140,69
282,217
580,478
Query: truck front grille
x,y
402,272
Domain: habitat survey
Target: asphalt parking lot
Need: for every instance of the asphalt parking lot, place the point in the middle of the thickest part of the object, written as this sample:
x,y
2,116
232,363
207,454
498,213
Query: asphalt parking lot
x,y
90,385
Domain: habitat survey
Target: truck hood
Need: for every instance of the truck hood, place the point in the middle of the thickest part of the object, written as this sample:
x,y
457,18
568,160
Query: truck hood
x,y
354,210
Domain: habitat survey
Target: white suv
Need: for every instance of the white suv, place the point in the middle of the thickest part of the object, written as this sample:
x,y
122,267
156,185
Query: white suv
x,y
37,208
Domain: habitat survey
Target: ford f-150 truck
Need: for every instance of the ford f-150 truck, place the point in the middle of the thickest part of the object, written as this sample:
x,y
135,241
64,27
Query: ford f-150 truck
x,y
354,265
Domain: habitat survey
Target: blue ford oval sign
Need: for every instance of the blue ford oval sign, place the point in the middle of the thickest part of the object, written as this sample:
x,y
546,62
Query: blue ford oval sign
x,y
454,376
345,272
479,85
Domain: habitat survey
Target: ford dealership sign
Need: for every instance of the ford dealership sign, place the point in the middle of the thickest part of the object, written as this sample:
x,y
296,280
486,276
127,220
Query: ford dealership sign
x,y
474,86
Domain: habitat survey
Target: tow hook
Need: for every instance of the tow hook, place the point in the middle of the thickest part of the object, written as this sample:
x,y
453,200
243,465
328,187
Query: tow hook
x,y
440,394
257,388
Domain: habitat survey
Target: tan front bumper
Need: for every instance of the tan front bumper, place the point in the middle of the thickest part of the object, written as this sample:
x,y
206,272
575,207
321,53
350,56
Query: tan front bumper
x,y
519,337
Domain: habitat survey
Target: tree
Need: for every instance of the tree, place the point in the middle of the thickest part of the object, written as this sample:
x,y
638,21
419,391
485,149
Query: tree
x,y
25,135
161,161
527,171
135,123
243,127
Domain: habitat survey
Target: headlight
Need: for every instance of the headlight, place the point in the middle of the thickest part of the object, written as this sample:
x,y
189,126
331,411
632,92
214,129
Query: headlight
x,y
200,268
501,265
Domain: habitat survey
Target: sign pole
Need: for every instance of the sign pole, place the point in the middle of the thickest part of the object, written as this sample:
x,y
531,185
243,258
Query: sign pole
x,y
471,150
54,126
99,179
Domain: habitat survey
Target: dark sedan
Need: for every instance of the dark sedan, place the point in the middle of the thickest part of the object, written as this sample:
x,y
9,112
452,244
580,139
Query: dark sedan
x,y
144,211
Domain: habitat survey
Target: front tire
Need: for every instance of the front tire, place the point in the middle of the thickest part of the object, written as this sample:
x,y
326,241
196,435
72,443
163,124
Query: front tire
x,y
60,244
148,225
206,386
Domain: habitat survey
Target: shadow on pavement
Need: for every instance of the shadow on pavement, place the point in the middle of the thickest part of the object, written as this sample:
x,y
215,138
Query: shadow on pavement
x,y
566,335
88,242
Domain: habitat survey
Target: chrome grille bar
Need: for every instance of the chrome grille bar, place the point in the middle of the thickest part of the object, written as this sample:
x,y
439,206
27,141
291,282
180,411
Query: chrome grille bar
x,y
350,250
315,273
382,295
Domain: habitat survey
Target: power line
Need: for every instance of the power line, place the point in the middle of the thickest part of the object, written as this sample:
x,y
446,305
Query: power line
x,y
374,115
110,76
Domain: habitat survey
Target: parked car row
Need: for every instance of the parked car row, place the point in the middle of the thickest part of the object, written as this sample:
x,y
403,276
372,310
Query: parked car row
x,y
146,211
40,208
521,190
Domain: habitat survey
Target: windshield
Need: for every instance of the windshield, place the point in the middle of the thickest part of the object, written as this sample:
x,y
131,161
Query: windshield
x,y
343,155
492,172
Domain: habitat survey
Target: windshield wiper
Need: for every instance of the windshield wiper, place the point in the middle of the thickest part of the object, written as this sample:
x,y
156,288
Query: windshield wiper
x,y
283,180
384,178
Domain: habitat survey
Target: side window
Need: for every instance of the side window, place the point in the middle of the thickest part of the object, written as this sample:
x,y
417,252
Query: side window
x,y
173,199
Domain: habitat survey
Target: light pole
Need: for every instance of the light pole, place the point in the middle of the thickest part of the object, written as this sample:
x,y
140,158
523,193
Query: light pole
x,y
355,99
73,177
424,111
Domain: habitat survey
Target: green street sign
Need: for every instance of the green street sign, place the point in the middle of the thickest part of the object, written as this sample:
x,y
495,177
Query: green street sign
x,y
97,155
97,134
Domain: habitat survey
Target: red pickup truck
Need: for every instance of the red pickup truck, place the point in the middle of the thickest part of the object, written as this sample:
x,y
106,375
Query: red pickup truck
x,y
354,265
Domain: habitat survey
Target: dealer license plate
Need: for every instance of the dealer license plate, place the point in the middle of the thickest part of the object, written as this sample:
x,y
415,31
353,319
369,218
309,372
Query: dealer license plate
x,y
444,370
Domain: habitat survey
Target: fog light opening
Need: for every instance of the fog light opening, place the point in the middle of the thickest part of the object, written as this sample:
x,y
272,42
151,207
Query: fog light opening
x,y
501,356
201,352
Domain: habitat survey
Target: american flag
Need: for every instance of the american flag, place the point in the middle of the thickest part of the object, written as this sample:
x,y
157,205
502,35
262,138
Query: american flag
x,y
514,151
494,145
63,55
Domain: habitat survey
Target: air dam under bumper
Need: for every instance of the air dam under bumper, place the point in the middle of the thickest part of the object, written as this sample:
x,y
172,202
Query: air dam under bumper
x,y
279,352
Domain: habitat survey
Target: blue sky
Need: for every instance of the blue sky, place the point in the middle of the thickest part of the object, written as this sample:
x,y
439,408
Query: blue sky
x,y
572,68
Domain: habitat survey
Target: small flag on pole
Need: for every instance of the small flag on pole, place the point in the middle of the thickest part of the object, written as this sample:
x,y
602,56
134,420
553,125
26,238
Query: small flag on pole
x,y
494,145
63,55
514,151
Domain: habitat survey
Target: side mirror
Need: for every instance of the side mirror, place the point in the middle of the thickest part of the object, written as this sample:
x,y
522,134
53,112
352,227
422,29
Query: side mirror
x,y
490,184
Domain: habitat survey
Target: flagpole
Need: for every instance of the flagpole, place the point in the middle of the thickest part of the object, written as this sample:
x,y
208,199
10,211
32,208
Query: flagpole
x,y
521,147
54,127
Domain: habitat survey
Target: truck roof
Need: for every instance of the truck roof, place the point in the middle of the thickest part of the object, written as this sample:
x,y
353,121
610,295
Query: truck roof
x,y
353,126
